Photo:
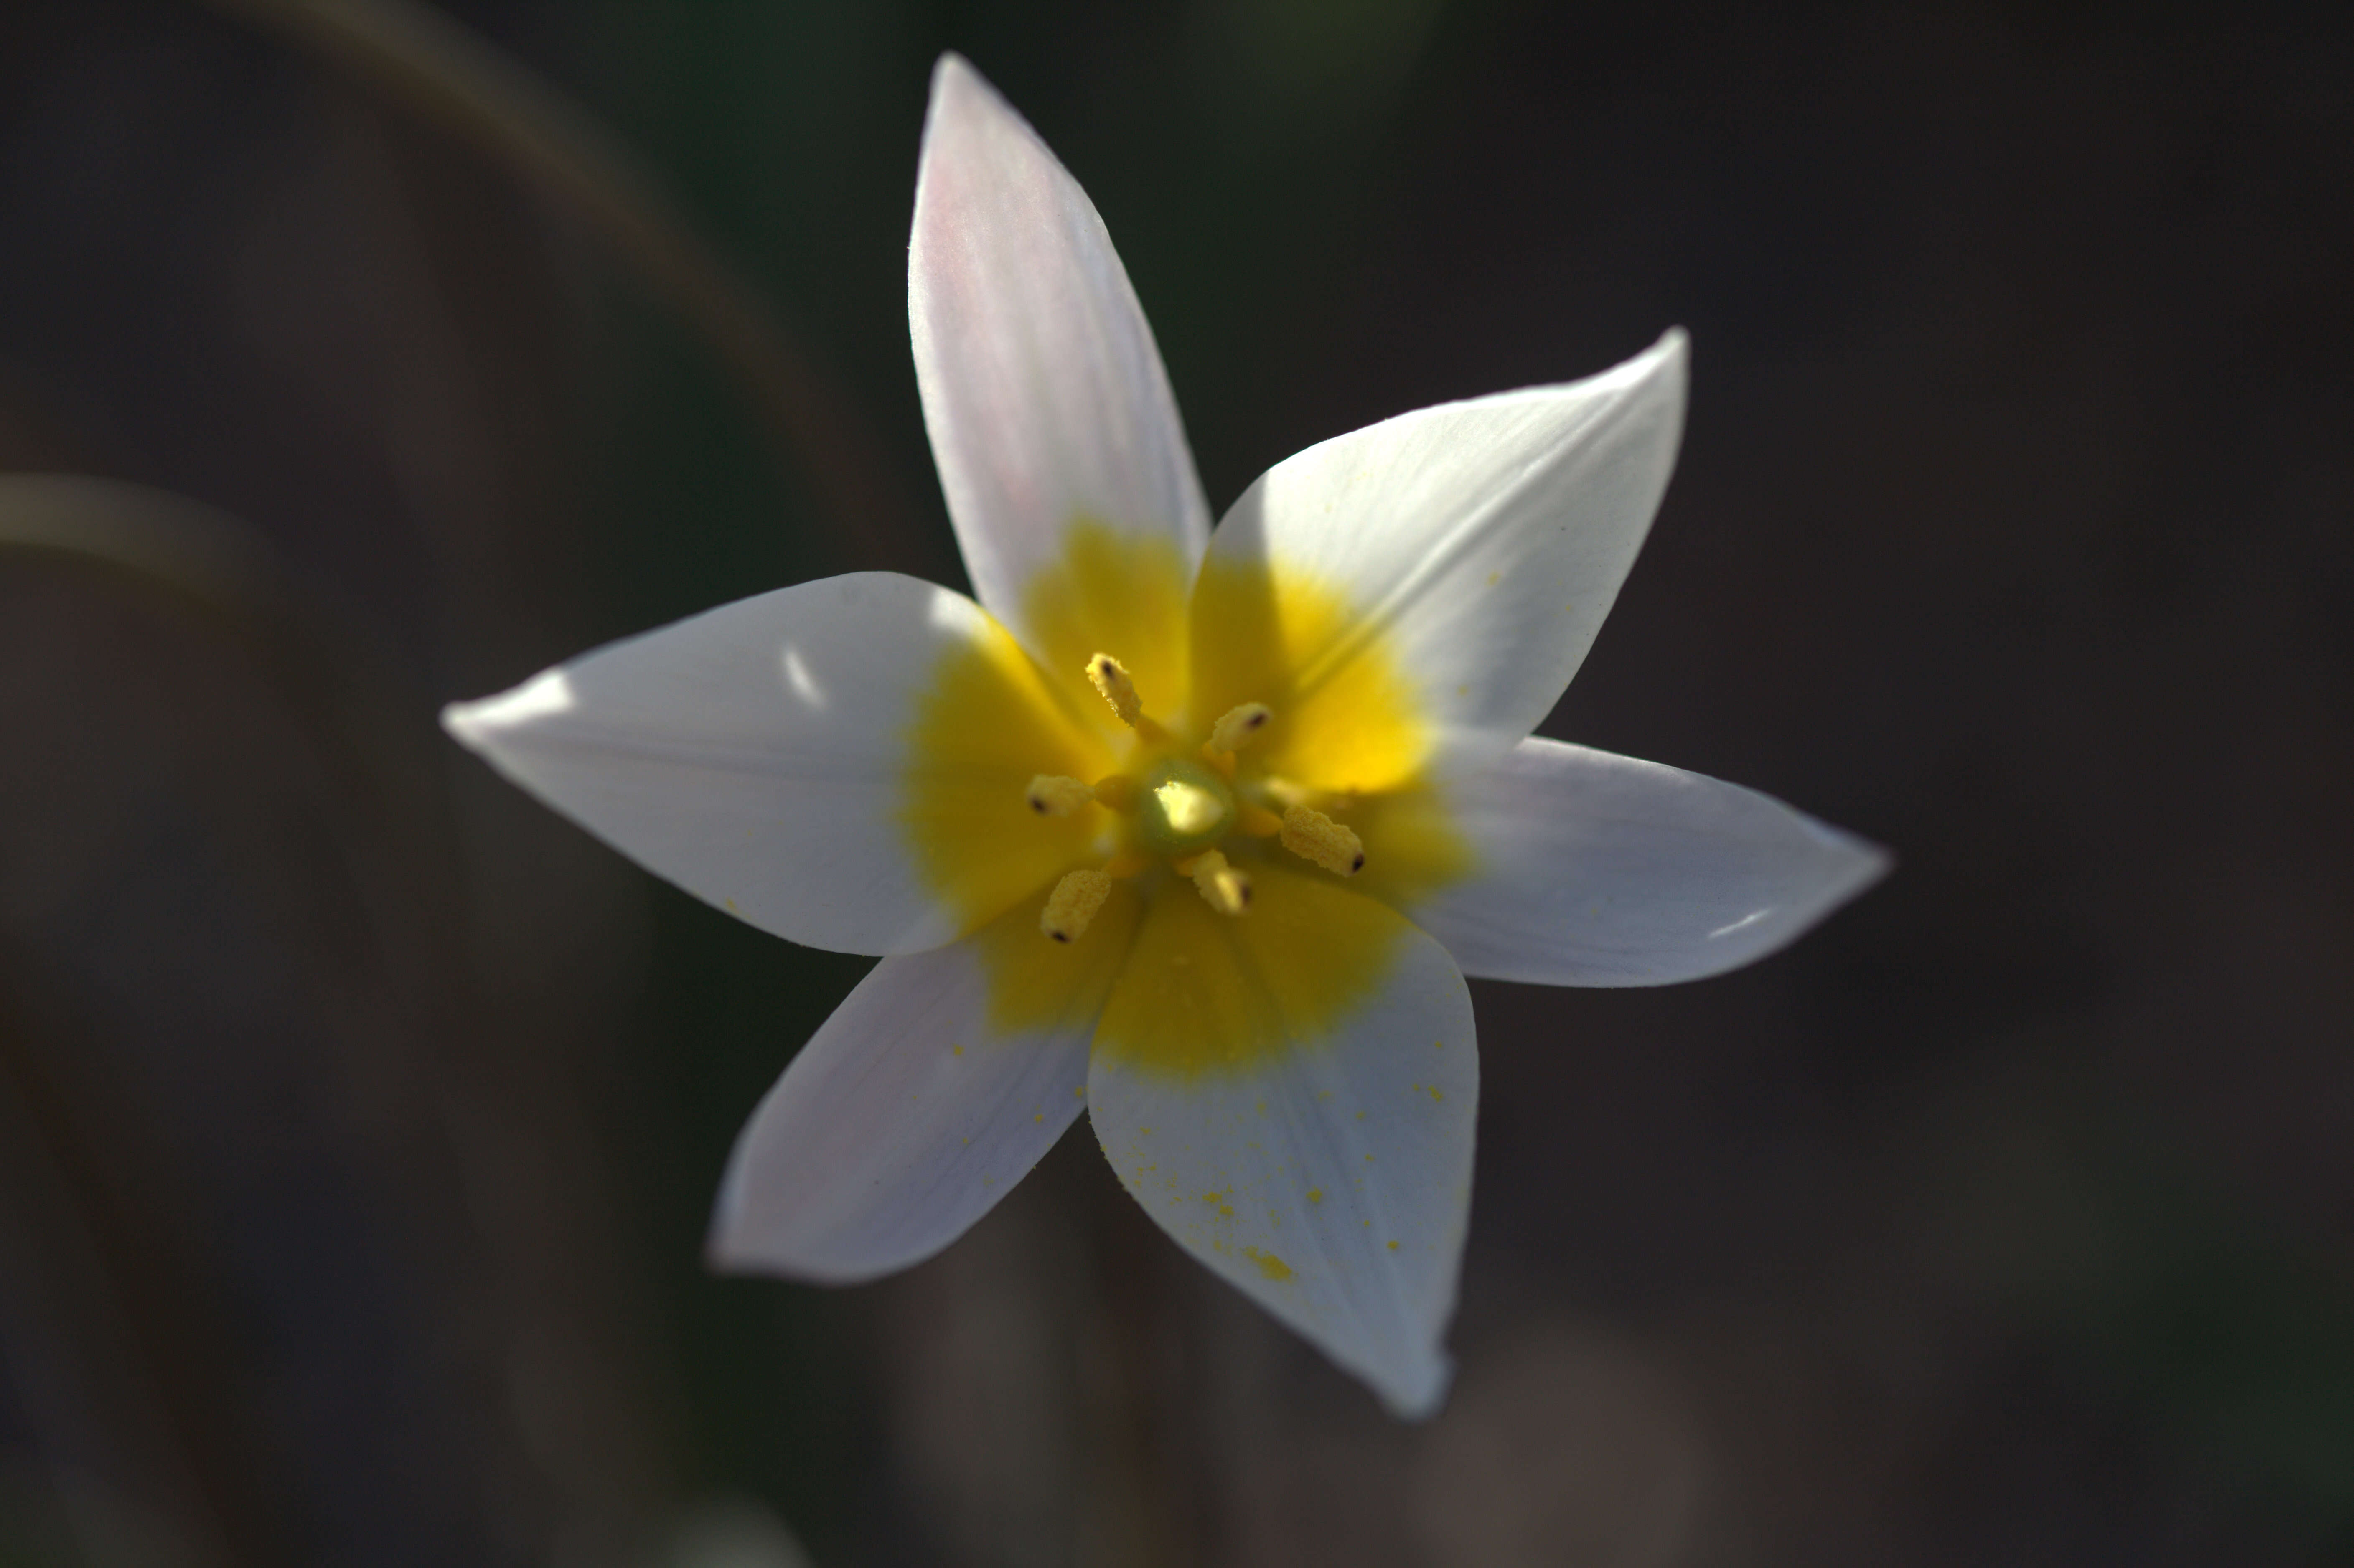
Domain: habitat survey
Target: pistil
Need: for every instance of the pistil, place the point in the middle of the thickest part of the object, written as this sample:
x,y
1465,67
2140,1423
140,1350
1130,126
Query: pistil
x,y
1182,808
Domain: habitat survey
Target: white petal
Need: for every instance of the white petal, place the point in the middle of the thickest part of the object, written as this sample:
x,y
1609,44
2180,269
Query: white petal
x,y
1476,547
1594,869
761,757
911,1113
1328,1179
1043,391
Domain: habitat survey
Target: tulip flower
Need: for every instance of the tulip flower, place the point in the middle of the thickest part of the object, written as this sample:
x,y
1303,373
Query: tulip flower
x,y
1194,832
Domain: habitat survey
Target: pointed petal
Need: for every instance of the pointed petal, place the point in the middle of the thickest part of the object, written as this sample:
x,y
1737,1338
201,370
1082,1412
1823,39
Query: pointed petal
x,y
1417,594
841,763
931,1091
1045,398
1586,868
1317,1159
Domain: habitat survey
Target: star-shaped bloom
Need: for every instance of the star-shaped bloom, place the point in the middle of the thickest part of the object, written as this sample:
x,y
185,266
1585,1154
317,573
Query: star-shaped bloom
x,y
1196,832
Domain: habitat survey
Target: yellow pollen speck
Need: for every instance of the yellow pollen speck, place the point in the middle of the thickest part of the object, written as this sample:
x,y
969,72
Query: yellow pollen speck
x,y
1435,1096
1227,891
1393,1247
1268,1264
1040,1117
1116,791
956,1050
1495,577
1315,1194
1238,726
1080,1093
1311,835
1051,795
1073,904
1111,678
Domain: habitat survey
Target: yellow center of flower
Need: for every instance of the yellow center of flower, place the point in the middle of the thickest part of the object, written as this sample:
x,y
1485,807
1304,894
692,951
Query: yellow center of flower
x,y
1182,802
1179,808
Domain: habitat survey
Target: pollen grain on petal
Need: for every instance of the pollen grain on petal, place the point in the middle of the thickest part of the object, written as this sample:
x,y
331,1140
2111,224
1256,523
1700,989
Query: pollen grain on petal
x,y
1311,835
1073,904
1111,678
1055,795
1269,1265
1238,726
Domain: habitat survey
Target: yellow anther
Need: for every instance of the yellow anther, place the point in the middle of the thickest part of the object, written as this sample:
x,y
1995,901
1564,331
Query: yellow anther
x,y
1051,795
1073,903
1116,791
1311,835
1238,728
1228,890
1127,863
1110,678
1258,820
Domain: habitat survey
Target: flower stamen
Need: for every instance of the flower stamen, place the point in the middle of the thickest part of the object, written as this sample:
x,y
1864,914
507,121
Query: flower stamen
x,y
1073,903
1238,726
1115,792
1258,820
1053,795
1224,888
1111,678
1311,835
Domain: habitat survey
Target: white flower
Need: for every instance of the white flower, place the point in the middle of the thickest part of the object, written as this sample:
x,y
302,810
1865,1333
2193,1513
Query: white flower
x,y
1198,832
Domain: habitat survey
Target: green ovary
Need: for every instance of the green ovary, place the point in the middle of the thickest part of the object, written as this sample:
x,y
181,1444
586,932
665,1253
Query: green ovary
x,y
1182,809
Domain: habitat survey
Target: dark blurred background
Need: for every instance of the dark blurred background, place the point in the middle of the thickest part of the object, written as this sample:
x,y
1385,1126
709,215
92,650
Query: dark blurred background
x,y
359,1117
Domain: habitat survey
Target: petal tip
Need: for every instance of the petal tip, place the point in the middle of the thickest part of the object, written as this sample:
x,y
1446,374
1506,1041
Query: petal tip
x,y
458,724
960,92
1423,1392
952,77
1666,365
1869,863
480,724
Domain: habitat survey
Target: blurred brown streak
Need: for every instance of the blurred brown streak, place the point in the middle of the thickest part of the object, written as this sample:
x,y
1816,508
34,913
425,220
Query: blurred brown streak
x,y
430,65
290,774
